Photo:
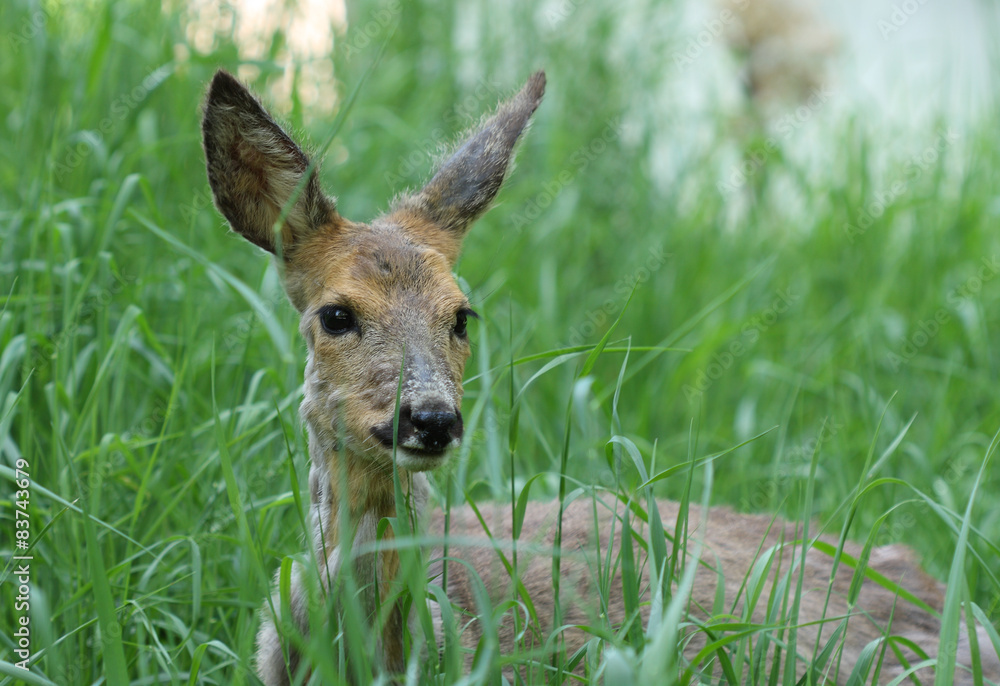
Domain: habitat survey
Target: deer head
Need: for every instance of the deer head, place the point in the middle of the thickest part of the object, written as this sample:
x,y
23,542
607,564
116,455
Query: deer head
x,y
375,299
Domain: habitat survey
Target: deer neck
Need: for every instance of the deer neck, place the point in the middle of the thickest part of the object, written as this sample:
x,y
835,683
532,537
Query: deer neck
x,y
345,484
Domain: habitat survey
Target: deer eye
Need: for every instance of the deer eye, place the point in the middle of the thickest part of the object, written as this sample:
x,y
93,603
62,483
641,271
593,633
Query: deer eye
x,y
337,320
462,321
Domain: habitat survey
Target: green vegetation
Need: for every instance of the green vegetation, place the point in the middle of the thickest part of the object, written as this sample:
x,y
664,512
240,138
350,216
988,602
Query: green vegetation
x,y
150,365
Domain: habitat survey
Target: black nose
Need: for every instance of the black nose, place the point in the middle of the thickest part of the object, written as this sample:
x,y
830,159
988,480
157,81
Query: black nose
x,y
434,426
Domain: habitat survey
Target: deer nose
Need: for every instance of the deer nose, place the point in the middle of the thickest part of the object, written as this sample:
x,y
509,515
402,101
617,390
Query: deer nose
x,y
434,426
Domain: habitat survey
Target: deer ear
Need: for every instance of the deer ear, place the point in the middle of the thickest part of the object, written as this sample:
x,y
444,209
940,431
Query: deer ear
x,y
468,181
254,168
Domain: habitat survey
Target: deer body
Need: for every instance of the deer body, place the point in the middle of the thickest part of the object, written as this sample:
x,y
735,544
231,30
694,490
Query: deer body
x,y
381,314
733,543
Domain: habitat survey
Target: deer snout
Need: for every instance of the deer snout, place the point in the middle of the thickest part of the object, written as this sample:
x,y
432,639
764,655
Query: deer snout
x,y
434,427
426,430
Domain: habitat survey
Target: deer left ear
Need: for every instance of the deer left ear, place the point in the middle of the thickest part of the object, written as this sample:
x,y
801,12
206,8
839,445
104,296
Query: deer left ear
x,y
465,185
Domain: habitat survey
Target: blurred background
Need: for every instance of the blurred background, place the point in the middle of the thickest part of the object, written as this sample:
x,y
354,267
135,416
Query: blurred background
x,y
800,198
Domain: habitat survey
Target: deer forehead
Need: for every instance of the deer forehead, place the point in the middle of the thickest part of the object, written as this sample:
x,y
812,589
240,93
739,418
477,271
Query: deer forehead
x,y
379,272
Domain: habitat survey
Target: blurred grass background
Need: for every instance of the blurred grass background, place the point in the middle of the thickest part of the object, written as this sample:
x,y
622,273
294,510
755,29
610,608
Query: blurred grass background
x,y
808,270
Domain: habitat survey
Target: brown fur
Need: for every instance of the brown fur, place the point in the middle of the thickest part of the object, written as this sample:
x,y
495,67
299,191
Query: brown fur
x,y
731,541
785,45
380,312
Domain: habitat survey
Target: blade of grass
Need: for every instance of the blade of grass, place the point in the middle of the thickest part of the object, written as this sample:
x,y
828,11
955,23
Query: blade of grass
x,y
951,615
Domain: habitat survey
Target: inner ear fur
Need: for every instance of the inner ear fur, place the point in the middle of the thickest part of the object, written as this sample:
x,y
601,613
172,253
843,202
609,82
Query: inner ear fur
x,y
254,168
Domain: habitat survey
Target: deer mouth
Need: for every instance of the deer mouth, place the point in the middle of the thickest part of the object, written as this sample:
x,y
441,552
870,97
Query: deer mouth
x,y
423,437
415,456
413,446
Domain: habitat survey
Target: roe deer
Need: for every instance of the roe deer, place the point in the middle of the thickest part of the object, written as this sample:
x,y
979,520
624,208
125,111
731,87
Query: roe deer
x,y
381,314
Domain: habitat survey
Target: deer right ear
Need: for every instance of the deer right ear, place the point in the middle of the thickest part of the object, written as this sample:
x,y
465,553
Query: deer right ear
x,y
254,168
466,184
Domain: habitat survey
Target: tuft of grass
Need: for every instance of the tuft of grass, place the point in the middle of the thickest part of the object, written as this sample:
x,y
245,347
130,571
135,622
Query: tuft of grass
x,y
150,365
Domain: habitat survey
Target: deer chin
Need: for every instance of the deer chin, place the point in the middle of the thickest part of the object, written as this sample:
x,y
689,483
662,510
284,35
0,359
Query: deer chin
x,y
412,452
418,460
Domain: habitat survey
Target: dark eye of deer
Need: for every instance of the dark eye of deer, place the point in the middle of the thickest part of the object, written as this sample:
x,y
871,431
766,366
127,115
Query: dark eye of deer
x,y
336,320
461,322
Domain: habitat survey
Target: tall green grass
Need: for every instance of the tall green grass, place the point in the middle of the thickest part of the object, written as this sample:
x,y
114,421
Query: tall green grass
x,y
150,365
